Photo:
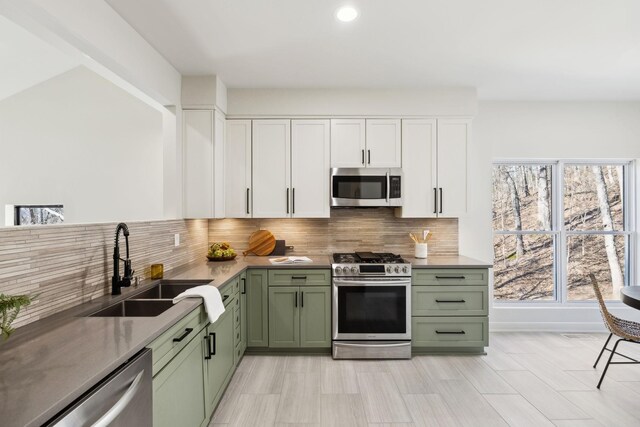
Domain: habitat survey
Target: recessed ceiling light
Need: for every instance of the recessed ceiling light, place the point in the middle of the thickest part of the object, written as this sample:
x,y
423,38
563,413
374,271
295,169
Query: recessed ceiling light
x,y
346,14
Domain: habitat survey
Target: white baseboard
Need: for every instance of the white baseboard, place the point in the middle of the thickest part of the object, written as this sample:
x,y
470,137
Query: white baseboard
x,y
547,327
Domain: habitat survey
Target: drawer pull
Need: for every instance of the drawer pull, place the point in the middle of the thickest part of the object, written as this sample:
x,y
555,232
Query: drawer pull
x,y
184,335
208,344
298,277
450,300
225,297
451,277
450,332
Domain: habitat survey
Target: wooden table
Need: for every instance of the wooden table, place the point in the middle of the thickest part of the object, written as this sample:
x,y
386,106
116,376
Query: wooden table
x,y
631,296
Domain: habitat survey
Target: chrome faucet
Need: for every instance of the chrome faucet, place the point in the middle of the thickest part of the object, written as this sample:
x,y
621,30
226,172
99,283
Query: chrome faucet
x,y
118,282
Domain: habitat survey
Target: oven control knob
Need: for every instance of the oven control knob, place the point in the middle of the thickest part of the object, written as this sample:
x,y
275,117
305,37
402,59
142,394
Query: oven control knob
x,y
397,269
338,270
388,269
405,269
354,270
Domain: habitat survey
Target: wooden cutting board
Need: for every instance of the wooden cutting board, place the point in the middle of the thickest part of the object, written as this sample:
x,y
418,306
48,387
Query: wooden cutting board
x,y
261,243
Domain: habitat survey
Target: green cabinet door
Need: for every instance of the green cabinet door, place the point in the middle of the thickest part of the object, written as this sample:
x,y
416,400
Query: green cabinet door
x,y
220,365
178,389
243,313
284,316
315,316
257,309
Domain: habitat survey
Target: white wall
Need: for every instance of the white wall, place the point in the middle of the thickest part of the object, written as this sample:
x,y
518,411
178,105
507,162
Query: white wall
x,y
520,130
81,141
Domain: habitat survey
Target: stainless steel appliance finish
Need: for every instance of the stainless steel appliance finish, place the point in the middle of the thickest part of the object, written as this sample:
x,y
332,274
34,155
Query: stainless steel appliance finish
x,y
371,302
366,187
123,399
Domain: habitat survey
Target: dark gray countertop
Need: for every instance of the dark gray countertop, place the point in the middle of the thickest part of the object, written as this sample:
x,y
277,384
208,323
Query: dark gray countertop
x,y
48,364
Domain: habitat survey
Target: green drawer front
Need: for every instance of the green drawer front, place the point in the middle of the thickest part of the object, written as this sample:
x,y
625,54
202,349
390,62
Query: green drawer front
x,y
300,277
450,276
449,301
230,289
164,348
450,332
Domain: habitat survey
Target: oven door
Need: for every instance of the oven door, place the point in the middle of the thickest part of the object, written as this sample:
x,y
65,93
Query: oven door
x,y
359,187
371,309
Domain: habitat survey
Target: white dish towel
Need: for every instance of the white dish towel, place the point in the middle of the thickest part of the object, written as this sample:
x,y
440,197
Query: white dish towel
x,y
213,304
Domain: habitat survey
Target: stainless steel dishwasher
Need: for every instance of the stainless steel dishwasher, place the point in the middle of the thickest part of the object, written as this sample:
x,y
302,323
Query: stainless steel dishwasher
x,y
123,399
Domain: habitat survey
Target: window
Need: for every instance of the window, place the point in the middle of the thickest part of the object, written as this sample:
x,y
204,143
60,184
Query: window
x,y
38,214
556,222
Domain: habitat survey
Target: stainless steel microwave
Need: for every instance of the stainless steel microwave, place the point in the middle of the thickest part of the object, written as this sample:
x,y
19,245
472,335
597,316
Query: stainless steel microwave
x,y
366,187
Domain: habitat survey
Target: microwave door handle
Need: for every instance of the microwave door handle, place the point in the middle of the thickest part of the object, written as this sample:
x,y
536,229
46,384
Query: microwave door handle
x,y
388,186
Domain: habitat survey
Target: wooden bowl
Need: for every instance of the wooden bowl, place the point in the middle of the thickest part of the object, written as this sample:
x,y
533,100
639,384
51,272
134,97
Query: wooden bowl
x,y
223,258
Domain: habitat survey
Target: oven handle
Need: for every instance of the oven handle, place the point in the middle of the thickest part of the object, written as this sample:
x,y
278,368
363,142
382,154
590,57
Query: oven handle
x,y
373,344
338,282
388,185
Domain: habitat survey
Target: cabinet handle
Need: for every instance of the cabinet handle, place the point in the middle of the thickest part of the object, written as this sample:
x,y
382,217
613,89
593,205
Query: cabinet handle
x,y
213,342
296,300
369,156
450,300
435,200
244,285
208,345
226,297
302,299
363,157
293,200
184,335
440,200
450,332
248,201
287,200
298,277
450,277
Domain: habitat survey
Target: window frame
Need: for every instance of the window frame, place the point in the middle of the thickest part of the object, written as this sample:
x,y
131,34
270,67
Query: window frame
x,y
561,234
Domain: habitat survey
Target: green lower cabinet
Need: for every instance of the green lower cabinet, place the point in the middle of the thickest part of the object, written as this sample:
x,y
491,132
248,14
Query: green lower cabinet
x,y
315,316
243,313
178,389
284,316
257,313
219,366
450,331
299,316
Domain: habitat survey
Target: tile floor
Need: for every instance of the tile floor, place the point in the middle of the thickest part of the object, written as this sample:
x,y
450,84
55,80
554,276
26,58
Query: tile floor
x,y
526,379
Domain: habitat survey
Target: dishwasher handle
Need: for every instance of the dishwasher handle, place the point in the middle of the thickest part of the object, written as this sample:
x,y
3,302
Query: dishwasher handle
x,y
121,404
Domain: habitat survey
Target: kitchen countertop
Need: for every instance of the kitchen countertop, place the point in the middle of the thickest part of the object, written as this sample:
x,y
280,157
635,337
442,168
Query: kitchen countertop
x,y
48,364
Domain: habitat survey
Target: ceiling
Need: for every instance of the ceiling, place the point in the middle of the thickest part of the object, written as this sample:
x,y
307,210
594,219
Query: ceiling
x,y
26,60
507,49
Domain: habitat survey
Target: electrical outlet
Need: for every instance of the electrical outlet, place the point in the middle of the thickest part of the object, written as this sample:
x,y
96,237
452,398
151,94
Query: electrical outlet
x,y
176,239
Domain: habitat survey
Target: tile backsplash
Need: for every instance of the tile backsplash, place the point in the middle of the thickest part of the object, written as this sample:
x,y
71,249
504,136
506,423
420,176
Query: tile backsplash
x,y
66,265
347,230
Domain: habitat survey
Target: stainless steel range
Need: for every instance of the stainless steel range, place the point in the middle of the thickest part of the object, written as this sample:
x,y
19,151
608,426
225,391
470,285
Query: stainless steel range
x,y
371,316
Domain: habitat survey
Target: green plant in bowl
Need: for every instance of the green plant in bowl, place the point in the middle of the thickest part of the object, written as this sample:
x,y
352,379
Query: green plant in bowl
x,y
10,306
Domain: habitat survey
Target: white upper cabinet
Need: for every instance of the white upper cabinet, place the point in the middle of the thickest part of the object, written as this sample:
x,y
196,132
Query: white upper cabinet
x,y
434,165
271,168
383,144
419,178
238,169
454,136
203,163
310,164
348,143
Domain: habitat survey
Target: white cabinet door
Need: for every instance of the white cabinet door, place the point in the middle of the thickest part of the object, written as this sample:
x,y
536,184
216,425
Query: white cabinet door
x,y
238,169
454,136
310,152
348,143
271,168
384,148
218,165
419,168
198,150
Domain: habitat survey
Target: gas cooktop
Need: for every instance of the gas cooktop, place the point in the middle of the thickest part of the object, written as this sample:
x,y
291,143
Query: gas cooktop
x,y
368,258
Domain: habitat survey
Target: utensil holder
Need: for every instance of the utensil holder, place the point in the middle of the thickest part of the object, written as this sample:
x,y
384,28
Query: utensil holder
x,y
157,271
421,250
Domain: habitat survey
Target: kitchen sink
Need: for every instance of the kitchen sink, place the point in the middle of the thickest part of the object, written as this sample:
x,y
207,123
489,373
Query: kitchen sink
x,y
135,308
168,289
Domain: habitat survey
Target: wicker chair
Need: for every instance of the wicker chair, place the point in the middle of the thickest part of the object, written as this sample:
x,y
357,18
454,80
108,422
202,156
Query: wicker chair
x,y
625,330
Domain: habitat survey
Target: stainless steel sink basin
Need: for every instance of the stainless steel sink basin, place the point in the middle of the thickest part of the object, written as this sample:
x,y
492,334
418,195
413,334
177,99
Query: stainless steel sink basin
x,y
135,308
168,289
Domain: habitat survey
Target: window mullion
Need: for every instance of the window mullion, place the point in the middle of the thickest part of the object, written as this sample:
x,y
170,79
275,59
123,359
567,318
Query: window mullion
x,y
557,200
